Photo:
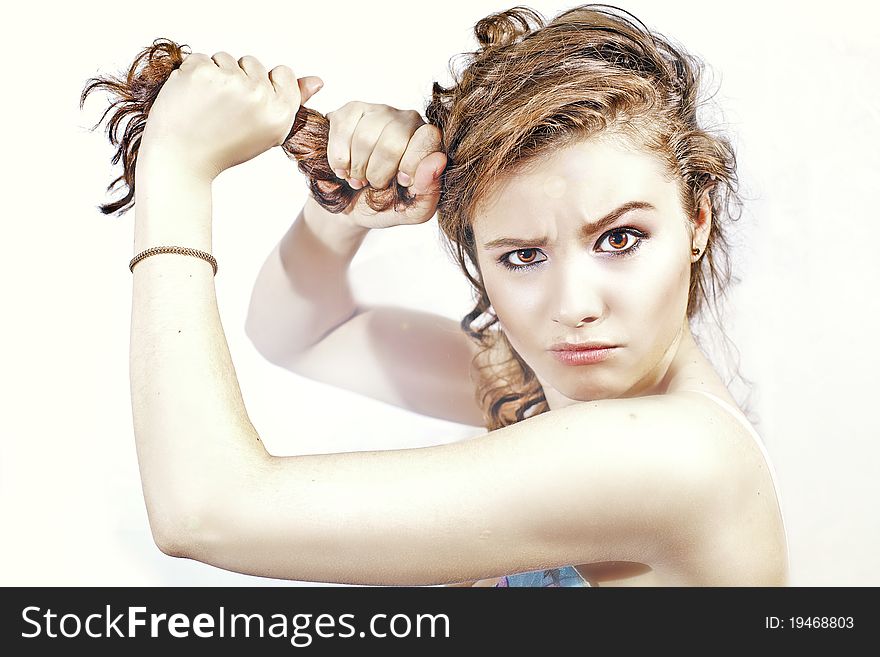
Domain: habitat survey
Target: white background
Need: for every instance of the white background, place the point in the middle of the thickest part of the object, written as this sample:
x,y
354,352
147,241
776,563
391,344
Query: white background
x,y
799,93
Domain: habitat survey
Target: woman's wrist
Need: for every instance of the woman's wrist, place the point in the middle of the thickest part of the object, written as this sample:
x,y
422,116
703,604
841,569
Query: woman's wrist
x,y
339,232
173,203
157,155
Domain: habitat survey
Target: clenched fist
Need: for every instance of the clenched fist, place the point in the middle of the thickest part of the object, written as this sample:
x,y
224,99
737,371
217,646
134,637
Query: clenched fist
x,y
214,113
371,145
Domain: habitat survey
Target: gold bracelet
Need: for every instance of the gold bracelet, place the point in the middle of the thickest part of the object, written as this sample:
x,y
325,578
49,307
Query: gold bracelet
x,y
172,249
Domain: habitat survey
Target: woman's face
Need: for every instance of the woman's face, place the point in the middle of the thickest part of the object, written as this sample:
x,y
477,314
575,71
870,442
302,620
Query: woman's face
x,y
600,252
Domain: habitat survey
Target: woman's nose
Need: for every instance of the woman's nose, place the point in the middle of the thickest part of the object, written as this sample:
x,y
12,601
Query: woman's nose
x,y
578,301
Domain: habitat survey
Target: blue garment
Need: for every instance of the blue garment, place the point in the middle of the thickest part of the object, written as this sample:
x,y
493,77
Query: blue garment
x,y
565,576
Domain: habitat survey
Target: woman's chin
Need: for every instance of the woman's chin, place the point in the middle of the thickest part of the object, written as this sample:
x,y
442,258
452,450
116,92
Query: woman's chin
x,y
592,392
585,383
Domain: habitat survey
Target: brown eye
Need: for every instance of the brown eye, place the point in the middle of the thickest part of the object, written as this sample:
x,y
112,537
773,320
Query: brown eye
x,y
618,240
524,263
621,241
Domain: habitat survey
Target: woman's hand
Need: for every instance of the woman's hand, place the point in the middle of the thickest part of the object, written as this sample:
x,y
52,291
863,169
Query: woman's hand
x,y
371,144
215,112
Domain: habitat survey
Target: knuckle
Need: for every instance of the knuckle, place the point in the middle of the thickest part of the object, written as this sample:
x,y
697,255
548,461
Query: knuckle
x,y
388,149
430,135
378,179
203,70
196,62
361,141
342,112
387,110
409,164
336,159
427,130
254,90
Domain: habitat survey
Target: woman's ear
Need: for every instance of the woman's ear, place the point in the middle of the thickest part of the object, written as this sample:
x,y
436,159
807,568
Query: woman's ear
x,y
702,227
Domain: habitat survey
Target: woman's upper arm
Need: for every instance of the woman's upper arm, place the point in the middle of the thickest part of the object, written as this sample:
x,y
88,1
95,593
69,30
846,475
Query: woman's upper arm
x,y
622,480
416,360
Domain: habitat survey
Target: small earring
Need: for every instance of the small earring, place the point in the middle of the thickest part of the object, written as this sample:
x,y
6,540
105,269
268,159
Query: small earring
x,y
695,251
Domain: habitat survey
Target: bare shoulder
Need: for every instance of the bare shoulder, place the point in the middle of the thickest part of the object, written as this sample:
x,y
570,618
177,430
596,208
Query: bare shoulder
x,y
722,423
671,446
746,533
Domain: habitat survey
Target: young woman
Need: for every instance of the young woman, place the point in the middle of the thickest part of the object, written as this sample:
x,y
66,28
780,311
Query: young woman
x,y
585,204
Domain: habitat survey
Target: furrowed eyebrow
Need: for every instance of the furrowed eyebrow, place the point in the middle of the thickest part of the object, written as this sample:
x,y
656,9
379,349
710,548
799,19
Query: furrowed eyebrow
x,y
586,229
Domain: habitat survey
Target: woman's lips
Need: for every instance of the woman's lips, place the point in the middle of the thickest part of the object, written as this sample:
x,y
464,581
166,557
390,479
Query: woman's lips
x,y
587,356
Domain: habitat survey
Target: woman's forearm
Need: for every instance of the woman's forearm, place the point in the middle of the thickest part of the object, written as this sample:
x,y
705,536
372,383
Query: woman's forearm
x,y
191,428
302,291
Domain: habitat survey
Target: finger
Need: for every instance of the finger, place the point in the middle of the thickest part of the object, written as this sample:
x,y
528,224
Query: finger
x,y
194,59
253,68
363,141
426,180
342,124
424,141
426,188
385,159
225,61
284,81
309,86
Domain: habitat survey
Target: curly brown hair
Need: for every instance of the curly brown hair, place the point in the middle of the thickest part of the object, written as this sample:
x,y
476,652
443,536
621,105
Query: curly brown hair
x,y
531,87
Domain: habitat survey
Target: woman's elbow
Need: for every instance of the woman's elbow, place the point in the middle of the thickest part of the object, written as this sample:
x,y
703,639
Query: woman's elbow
x,y
178,533
169,544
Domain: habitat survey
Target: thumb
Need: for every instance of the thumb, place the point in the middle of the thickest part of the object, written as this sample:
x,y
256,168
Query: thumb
x,y
427,176
426,187
309,86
